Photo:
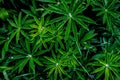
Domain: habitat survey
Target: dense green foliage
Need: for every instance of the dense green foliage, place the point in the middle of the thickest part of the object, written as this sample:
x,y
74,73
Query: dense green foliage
x,y
60,40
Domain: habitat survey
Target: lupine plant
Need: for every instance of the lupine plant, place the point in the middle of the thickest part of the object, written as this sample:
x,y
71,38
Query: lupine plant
x,y
59,40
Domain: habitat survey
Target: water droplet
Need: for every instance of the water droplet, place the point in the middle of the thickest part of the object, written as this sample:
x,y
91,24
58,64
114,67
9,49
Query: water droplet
x,y
29,55
106,10
43,28
56,64
107,65
12,57
70,15
58,3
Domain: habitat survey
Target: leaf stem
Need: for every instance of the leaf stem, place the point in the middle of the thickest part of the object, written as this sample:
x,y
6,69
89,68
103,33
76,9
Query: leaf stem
x,y
82,66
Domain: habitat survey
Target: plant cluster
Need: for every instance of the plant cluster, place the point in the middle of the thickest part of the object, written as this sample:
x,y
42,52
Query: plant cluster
x,y
60,40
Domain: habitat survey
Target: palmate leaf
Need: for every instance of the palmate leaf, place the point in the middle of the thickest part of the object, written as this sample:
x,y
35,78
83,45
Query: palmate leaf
x,y
108,66
68,15
106,10
40,32
25,56
19,24
55,66
65,36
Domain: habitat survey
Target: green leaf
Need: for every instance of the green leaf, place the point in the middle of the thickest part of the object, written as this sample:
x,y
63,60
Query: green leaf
x,y
86,19
56,9
31,64
79,21
50,59
5,49
65,6
105,18
27,43
19,18
40,52
5,75
98,56
24,34
99,69
3,13
99,75
22,64
27,12
12,23
106,74
17,35
61,24
115,71
51,71
16,21
79,8
74,30
57,19
20,51
112,3
3,53
88,36
37,62
18,57
13,33
67,32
